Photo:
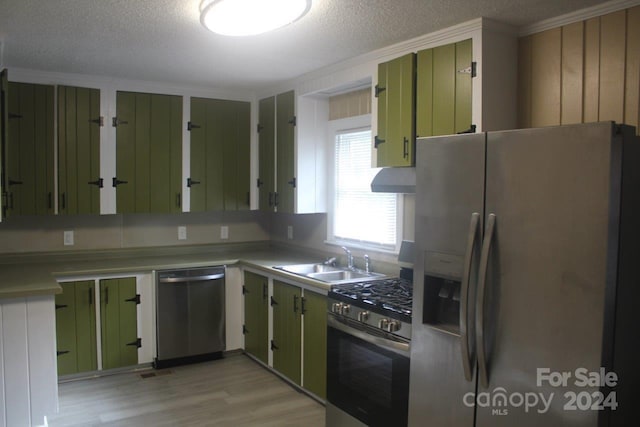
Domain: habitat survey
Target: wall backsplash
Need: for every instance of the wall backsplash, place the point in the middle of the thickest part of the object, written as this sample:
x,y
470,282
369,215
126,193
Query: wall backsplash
x,y
45,233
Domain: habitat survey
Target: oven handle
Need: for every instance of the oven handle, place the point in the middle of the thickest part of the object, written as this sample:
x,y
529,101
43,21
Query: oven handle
x,y
191,279
394,346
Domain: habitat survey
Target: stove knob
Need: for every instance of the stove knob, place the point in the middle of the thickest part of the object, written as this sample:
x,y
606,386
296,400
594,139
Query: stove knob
x,y
393,326
336,307
383,323
363,316
346,308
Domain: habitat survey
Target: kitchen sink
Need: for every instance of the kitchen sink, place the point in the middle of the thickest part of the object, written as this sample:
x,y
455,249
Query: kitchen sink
x,y
329,273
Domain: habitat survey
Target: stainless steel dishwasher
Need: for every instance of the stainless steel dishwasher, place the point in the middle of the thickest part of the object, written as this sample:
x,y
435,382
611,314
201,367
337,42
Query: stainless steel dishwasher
x,y
190,315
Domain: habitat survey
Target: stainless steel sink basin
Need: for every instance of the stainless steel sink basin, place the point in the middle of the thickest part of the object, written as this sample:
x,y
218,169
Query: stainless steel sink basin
x,y
328,273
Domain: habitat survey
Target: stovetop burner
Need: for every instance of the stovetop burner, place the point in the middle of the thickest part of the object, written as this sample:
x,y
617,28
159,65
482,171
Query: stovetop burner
x,y
392,297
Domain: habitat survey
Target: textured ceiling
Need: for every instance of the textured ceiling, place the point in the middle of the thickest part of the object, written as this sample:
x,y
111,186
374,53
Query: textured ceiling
x,y
163,40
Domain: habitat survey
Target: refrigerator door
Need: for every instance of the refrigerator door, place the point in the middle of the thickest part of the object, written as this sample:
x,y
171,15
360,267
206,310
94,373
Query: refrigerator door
x,y
554,193
450,174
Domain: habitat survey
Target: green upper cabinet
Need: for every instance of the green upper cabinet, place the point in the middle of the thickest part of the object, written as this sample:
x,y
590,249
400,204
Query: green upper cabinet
x,y
276,129
118,322
266,153
443,98
4,135
396,112
285,138
220,144
29,177
79,124
148,153
256,316
287,329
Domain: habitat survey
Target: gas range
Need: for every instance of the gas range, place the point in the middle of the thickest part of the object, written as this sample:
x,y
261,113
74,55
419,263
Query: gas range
x,y
383,304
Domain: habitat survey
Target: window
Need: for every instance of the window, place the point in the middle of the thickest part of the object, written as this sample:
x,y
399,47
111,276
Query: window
x,y
360,216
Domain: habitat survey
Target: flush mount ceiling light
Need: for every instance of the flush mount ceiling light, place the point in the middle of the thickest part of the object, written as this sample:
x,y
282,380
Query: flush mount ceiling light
x,y
250,17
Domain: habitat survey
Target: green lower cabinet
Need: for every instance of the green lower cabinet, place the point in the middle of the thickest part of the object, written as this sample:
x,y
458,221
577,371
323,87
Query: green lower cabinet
x,y
118,317
256,316
287,329
314,313
76,328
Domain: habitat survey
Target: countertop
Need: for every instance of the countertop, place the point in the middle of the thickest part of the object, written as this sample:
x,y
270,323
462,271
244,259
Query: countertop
x,y
26,275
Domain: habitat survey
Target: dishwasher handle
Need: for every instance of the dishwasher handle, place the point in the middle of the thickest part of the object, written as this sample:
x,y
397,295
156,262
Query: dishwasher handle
x,y
191,279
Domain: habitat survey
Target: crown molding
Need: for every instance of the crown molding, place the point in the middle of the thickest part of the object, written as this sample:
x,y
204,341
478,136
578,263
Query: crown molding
x,y
577,16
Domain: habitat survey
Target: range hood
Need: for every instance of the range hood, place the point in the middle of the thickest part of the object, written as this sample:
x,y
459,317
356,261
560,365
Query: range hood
x,y
395,180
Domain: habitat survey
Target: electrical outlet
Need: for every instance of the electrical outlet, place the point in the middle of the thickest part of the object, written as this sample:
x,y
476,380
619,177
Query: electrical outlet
x,y
182,232
224,232
290,232
68,238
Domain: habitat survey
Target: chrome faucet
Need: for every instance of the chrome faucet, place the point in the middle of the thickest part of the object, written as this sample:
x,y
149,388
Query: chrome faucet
x,y
349,258
330,261
367,263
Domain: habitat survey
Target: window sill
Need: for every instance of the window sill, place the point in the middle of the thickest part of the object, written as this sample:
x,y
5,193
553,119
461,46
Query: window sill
x,y
350,244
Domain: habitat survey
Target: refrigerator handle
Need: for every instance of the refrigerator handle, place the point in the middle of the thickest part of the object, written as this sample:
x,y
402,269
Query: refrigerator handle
x,y
467,355
482,282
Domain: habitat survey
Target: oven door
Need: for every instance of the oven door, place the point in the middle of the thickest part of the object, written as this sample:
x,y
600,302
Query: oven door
x,y
367,373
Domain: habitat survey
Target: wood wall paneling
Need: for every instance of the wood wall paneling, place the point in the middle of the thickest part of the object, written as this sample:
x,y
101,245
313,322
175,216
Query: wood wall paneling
x,y
546,59
591,95
572,73
612,66
350,104
524,82
632,86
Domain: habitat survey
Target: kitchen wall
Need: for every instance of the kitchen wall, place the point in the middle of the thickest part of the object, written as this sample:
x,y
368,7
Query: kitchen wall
x,y
45,233
585,71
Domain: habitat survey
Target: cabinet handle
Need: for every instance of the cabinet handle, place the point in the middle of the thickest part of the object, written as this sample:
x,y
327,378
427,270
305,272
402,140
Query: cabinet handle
x,y
275,199
191,182
377,141
106,295
64,201
248,199
10,201
270,199
90,296
295,303
178,200
14,182
405,148
264,291
50,200
303,308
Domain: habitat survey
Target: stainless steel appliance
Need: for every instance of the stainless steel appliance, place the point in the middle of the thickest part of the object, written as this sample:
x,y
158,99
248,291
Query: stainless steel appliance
x,y
368,336
526,242
190,315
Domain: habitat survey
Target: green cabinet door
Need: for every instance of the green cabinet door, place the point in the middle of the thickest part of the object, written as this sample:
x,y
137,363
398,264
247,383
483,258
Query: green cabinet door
x,y
76,328
396,111
443,98
148,153
287,329
220,144
285,150
266,153
79,179
4,135
314,313
118,316
29,149
256,316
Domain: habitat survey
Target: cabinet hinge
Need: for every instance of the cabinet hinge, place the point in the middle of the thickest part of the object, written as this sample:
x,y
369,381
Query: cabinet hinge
x,y
259,183
191,182
273,302
244,290
98,183
137,343
61,306
14,116
273,346
293,121
379,90
293,182
191,126
470,70
259,127
115,122
99,121
115,182
377,141
472,129
135,299
244,330
61,352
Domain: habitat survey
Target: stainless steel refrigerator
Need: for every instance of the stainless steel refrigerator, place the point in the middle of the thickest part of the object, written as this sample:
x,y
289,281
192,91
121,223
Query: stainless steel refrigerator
x,y
526,282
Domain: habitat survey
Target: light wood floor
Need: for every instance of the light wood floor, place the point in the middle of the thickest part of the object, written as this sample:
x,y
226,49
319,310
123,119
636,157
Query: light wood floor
x,y
234,391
